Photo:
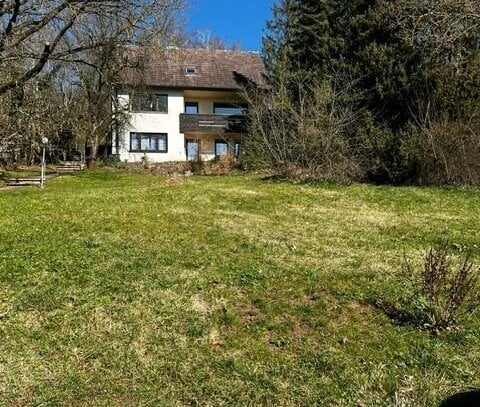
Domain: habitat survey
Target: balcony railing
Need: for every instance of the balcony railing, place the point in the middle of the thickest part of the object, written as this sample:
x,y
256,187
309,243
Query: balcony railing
x,y
212,123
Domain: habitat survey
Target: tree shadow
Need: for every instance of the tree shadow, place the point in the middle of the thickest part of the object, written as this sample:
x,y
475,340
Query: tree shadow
x,y
465,399
248,83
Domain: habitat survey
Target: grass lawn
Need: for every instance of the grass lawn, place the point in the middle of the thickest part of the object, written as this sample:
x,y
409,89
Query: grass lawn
x,y
130,290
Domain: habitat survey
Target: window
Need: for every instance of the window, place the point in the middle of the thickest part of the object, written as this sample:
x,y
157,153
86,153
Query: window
x,y
191,70
236,149
149,102
149,142
221,148
229,108
191,107
192,150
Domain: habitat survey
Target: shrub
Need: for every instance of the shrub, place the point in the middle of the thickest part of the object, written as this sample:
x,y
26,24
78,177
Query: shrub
x,y
441,295
219,166
445,152
301,131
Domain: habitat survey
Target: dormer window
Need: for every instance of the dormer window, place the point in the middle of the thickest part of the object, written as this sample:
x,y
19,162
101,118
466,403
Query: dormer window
x,y
190,71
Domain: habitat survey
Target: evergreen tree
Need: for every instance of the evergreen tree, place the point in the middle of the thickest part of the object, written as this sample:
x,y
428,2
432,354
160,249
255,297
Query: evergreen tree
x,y
276,43
411,60
297,39
365,44
309,40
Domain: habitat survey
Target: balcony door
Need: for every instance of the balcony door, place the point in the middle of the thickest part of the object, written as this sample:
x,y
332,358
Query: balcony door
x,y
192,148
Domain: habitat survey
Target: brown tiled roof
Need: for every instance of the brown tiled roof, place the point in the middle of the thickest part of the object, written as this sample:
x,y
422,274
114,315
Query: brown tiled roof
x,y
215,69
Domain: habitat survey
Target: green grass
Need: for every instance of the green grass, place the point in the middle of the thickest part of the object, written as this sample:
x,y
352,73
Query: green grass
x,y
126,290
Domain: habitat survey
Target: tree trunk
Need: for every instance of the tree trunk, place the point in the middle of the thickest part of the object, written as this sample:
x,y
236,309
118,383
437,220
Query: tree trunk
x,y
91,152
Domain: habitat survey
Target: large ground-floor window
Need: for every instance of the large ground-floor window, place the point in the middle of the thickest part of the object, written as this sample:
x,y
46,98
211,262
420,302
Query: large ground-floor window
x,y
149,142
221,148
192,148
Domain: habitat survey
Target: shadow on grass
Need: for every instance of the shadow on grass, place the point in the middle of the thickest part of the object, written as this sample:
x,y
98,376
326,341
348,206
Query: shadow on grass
x,y
285,180
399,315
465,399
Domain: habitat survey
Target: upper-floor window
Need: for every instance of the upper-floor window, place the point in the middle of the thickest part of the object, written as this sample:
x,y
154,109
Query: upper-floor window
x,y
191,70
230,108
191,107
149,102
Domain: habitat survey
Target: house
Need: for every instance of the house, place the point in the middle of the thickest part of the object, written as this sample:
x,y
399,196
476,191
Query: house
x,y
189,105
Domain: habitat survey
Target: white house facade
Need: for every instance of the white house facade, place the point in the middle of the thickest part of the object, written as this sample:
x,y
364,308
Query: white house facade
x,y
189,106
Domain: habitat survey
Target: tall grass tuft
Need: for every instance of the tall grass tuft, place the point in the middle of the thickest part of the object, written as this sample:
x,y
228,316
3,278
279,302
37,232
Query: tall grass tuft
x,y
442,295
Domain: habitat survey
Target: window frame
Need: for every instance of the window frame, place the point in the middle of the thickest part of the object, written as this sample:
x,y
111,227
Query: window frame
x,y
190,71
228,105
150,134
192,141
221,141
151,95
191,104
237,149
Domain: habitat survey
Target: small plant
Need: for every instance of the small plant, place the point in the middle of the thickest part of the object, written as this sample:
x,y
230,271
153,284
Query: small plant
x,y
223,165
442,295
197,166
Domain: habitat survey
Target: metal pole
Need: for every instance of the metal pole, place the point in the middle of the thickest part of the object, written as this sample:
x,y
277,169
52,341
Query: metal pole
x,y
42,178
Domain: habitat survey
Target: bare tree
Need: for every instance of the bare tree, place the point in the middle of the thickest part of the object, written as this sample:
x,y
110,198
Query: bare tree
x,y
101,70
446,30
28,114
443,146
205,39
34,32
301,130
88,41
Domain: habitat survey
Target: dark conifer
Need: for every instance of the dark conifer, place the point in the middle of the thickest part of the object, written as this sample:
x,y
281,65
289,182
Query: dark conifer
x,y
309,39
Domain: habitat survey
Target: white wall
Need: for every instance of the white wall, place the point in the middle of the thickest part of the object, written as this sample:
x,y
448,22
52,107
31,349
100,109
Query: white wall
x,y
169,123
155,122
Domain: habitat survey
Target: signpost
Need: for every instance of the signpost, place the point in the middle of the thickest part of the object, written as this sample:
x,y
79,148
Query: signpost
x,y
42,177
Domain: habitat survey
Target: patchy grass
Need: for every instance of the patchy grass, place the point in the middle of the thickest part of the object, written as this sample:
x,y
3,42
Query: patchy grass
x,y
119,289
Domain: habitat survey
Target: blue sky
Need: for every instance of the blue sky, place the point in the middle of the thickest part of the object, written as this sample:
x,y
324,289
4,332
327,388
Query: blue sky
x,y
239,21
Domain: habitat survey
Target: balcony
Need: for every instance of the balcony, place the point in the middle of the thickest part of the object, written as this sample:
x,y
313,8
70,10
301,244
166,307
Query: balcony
x,y
213,123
